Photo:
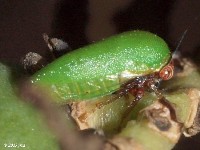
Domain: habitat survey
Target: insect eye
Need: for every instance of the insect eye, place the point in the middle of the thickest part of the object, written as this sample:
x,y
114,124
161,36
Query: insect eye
x,y
167,72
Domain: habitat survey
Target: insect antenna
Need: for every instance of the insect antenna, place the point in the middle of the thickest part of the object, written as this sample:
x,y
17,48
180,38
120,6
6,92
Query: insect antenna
x,y
176,54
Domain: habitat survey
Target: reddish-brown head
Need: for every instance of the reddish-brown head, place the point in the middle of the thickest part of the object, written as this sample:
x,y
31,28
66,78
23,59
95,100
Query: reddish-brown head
x,y
167,72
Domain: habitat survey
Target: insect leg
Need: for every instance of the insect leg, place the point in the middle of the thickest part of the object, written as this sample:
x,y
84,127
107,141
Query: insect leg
x,y
111,99
129,87
153,85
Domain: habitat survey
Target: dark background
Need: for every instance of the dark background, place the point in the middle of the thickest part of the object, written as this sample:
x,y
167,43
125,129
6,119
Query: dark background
x,y
79,22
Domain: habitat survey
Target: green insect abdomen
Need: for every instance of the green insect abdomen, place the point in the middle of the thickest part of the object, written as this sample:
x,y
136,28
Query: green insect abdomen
x,y
85,90
97,69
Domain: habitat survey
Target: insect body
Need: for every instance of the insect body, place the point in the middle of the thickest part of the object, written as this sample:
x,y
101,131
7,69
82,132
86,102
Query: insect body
x,y
103,67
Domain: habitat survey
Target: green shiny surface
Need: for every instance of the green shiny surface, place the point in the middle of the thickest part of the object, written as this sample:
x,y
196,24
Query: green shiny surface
x,y
96,70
